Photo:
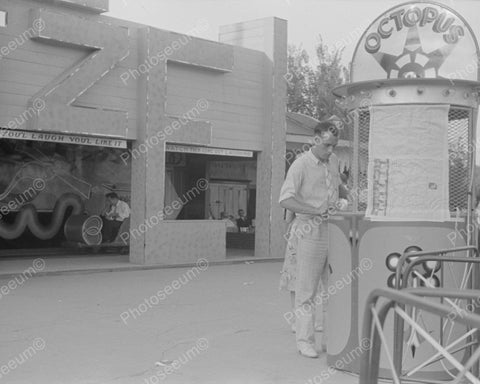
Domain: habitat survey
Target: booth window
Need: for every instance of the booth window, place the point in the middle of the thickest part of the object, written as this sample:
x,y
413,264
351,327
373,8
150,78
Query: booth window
x,y
363,135
459,157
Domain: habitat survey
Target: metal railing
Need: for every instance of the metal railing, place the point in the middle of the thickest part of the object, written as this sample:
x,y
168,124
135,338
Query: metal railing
x,y
396,300
406,267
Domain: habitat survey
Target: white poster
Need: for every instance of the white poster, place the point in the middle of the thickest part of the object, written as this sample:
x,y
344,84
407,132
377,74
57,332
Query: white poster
x,y
408,163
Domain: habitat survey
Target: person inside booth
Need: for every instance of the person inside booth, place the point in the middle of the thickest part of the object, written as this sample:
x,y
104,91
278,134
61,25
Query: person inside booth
x,y
243,222
114,214
229,222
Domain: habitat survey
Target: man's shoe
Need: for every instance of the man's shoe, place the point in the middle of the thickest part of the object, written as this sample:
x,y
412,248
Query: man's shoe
x,y
307,351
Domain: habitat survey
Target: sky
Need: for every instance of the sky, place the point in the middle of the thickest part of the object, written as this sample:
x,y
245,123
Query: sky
x,y
339,22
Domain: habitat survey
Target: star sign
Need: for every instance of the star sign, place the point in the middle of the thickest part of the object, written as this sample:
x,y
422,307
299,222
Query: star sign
x,y
414,62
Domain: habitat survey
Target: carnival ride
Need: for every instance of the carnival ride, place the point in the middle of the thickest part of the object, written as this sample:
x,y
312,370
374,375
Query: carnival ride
x,y
412,114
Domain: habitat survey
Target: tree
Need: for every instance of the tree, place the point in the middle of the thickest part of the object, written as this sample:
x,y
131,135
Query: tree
x,y
299,77
309,89
329,74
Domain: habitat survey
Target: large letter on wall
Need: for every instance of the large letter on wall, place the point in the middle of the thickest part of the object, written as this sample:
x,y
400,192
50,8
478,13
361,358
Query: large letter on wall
x,y
110,46
148,172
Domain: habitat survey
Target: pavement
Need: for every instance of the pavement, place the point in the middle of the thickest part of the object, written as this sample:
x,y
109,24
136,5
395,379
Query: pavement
x,y
213,324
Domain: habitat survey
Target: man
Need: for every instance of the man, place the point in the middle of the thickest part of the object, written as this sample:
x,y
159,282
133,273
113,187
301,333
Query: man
x,y
243,221
115,213
310,188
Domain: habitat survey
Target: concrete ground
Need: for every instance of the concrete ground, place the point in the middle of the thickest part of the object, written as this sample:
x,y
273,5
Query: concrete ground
x,y
223,325
89,263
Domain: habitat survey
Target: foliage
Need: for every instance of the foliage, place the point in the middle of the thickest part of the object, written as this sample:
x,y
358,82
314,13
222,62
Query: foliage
x,y
310,88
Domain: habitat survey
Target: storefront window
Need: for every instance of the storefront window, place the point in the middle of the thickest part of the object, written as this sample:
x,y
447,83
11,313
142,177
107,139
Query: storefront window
x,y
43,183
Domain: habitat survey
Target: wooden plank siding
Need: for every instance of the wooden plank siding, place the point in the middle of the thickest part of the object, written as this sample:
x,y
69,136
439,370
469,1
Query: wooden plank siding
x,y
235,99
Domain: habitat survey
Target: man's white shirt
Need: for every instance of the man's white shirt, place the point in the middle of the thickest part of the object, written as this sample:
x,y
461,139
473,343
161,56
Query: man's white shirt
x,y
121,209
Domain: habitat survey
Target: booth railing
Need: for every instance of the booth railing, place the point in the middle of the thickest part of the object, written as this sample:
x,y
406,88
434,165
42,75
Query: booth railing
x,y
375,317
406,268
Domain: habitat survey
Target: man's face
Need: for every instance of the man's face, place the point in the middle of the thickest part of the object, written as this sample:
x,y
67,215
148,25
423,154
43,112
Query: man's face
x,y
241,213
324,145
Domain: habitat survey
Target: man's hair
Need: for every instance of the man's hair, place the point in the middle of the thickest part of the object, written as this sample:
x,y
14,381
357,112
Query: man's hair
x,y
111,195
326,126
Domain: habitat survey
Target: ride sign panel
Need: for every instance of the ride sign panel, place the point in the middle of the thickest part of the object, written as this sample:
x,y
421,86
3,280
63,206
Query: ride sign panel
x,y
417,40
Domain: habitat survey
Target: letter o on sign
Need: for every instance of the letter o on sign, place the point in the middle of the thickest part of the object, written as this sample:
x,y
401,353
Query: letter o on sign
x,y
372,42
410,21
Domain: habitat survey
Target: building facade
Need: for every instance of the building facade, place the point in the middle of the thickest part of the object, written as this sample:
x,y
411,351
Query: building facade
x,y
92,104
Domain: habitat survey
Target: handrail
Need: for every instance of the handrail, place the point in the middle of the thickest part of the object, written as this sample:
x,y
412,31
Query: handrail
x,y
441,259
402,281
409,255
370,360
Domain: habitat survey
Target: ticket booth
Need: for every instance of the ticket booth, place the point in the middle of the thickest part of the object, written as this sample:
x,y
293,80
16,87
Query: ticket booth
x,y
412,106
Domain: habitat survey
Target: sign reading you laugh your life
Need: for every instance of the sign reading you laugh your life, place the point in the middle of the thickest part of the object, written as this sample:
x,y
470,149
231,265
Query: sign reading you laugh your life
x,y
62,138
416,40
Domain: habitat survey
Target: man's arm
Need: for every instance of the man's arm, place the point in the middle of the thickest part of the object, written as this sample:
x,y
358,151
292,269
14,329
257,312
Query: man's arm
x,y
296,206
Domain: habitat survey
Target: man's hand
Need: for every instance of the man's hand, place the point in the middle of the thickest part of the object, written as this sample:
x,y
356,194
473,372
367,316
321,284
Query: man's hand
x,y
323,210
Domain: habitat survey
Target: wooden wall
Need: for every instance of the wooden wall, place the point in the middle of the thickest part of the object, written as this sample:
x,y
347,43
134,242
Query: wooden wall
x,y
35,64
270,36
236,104
235,98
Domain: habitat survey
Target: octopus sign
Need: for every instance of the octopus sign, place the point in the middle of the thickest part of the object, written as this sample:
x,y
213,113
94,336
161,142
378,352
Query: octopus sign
x,y
417,40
